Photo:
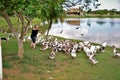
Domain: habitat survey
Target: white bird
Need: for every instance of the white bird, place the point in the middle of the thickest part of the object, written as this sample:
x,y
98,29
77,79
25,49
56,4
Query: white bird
x,y
73,52
30,26
86,43
29,38
45,47
93,49
9,36
103,46
90,53
116,53
84,31
98,48
87,51
52,55
93,60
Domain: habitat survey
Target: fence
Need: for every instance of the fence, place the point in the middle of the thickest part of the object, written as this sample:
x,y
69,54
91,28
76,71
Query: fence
x,y
0,61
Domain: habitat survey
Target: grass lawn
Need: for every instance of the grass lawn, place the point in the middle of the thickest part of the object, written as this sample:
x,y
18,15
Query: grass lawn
x,y
37,66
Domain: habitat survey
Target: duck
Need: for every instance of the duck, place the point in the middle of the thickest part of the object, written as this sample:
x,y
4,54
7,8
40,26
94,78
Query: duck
x,y
88,24
93,49
86,43
90,53
61,31
52,55
74,50
116,53
84,31
93,60
73,53
77,27
87,51
98,48
103,46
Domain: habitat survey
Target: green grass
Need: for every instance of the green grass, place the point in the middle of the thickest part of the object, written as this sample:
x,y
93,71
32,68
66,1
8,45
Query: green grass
x,y
14,20
5,28
3,22
36,65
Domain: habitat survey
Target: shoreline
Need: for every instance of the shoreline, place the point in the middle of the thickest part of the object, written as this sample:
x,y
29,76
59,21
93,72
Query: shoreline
x,y
77,16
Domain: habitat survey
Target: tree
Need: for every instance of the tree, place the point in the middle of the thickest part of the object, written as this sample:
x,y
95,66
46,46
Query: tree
x,y
50,10
84,5
113,11
25,11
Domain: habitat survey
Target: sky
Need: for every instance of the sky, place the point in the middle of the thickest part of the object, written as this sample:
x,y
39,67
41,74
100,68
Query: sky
x,y
106,4
109,4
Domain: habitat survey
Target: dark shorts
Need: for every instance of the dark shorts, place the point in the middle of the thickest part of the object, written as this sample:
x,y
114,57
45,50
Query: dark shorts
x,y
33,39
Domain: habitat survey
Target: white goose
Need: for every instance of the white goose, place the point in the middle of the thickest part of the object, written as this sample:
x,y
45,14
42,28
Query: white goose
x,y
93,60
86,43
73,52
87,51
116,53
93,49
90,52
103,46
52,55
98,48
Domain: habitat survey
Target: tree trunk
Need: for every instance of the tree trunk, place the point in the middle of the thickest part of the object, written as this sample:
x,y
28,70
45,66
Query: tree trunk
x,y
16,33
20,48
50,24
11,26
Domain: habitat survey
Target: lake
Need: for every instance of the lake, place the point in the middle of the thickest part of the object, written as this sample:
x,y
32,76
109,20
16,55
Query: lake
x,y
97,30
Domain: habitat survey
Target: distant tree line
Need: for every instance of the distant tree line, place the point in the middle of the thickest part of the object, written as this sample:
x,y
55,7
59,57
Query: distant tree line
x,y
104,12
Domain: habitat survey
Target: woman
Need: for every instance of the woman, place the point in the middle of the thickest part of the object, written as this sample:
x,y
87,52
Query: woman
x,y
34,36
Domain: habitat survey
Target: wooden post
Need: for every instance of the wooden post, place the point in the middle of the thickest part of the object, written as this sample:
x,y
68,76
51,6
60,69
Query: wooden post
x,y
1,76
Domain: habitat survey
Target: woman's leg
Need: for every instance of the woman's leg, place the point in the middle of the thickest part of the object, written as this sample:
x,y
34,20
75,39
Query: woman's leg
x,y
32,41
33,44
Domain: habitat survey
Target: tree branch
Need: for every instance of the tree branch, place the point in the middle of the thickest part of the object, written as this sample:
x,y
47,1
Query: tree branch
x,y
28,24
5,15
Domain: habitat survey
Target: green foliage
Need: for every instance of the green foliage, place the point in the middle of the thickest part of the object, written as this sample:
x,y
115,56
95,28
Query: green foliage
x,y
101,12
105,12
51,9
33,8
25,7
84,4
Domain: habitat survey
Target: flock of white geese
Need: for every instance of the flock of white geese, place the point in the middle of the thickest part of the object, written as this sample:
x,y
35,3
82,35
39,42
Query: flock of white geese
x,y
72,48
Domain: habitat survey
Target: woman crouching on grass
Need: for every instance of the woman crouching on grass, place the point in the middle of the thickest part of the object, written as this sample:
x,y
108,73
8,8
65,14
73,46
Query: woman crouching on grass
x,y
34,36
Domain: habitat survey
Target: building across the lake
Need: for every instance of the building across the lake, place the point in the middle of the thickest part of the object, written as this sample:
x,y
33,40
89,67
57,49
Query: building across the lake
x,y
75,11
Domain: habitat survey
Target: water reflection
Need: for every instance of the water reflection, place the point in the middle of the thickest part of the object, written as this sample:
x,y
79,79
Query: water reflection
x,y
89,23
100,22
73,22
90,29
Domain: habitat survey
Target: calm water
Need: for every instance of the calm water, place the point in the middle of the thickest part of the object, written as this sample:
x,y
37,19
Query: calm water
x,y
96,30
